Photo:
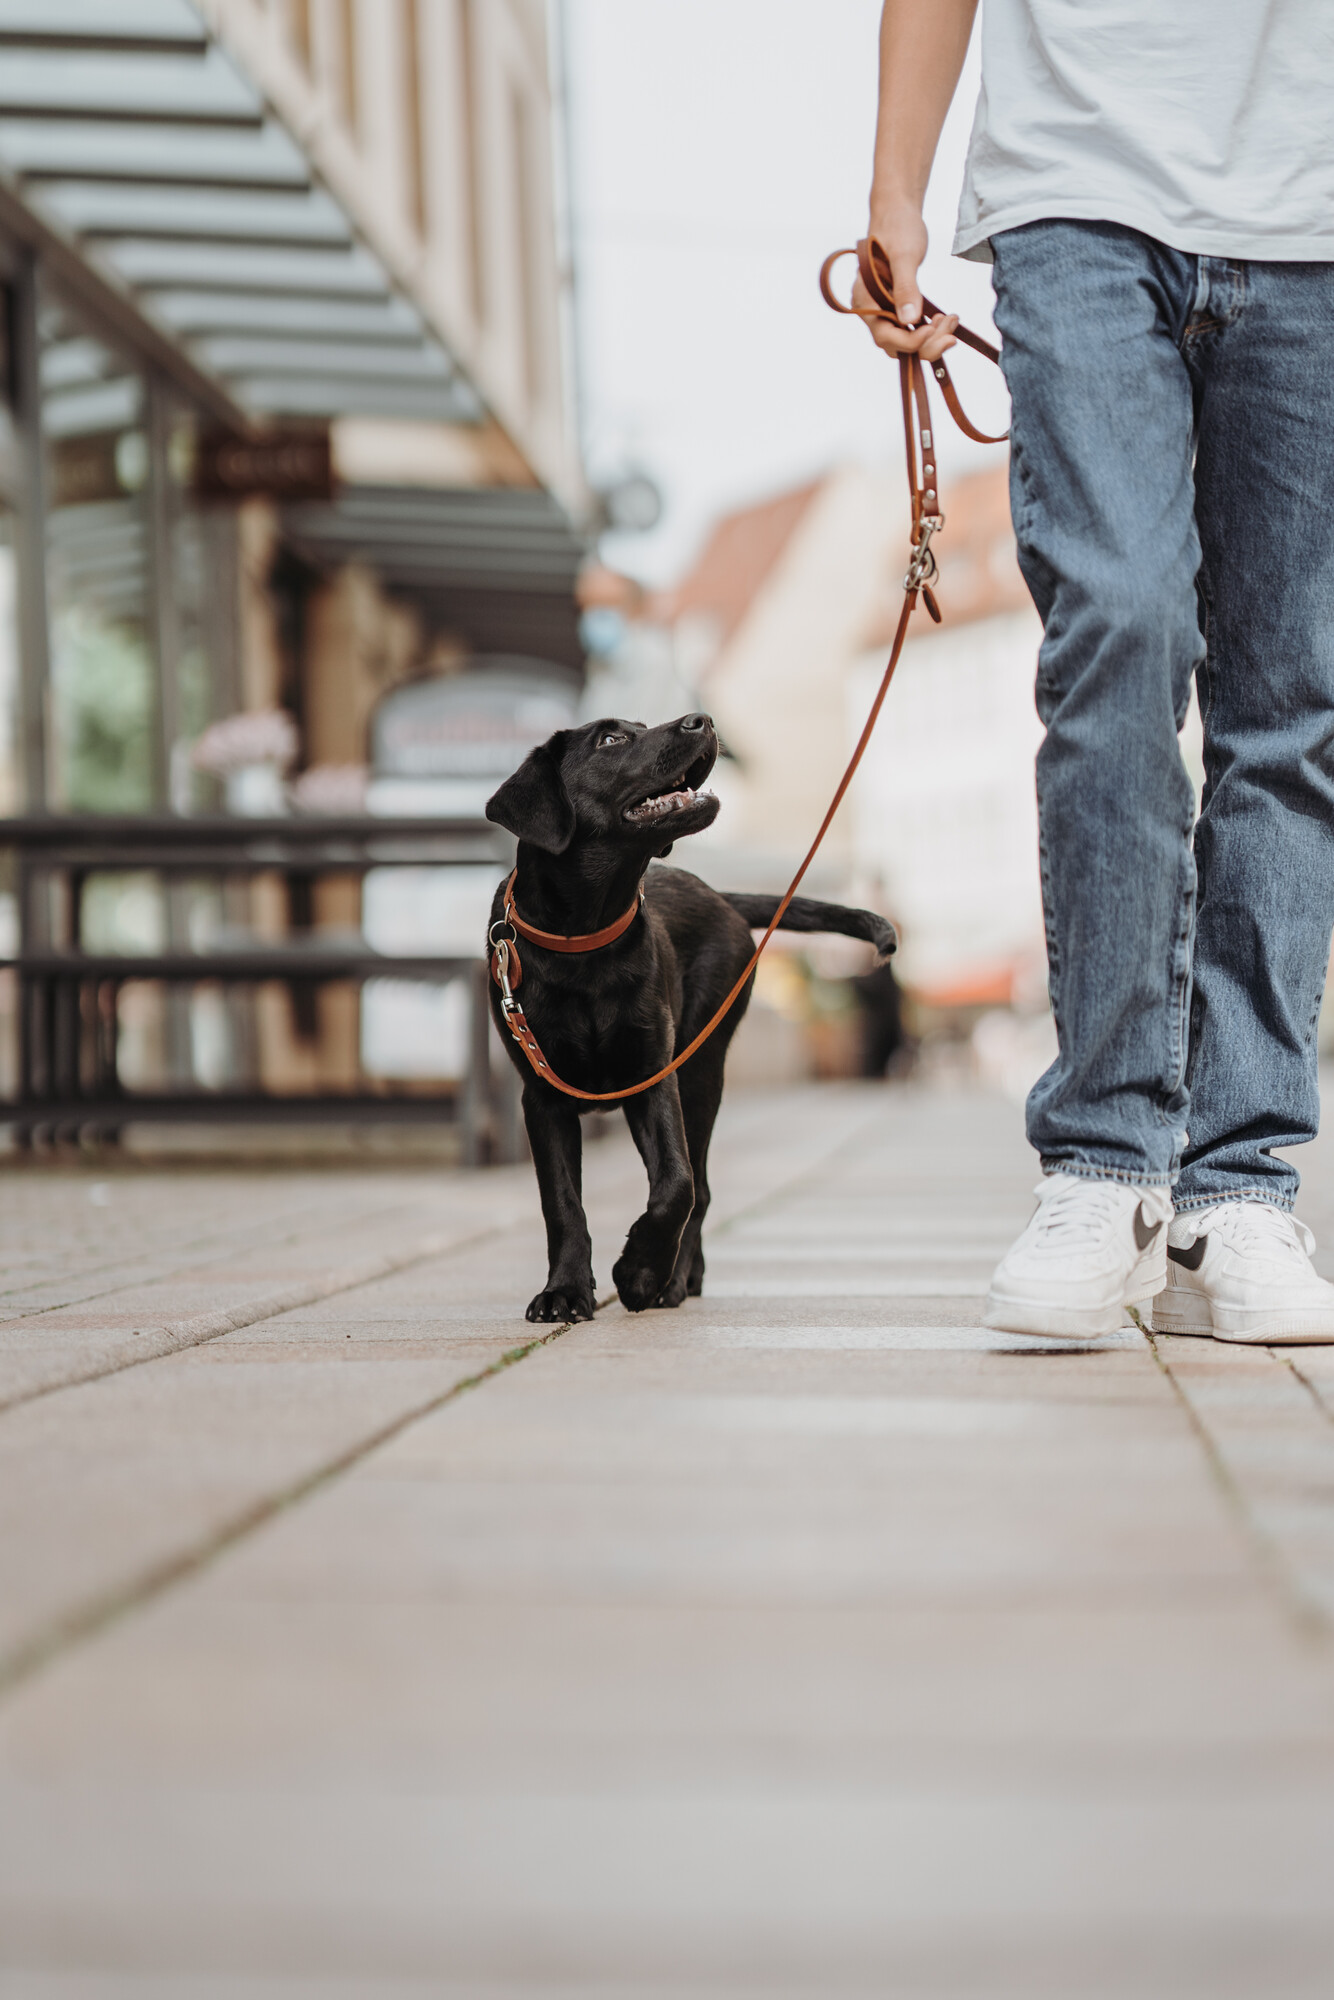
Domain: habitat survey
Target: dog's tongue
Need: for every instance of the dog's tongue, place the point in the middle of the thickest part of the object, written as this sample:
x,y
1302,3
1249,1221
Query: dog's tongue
x,y
665,802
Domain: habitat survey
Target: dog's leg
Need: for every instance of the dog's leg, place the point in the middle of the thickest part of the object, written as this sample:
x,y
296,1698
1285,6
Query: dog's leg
x,y
645,1265
701,1083
557,1143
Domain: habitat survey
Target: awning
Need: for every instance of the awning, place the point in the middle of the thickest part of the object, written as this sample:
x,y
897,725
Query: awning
x,y
134,139
496,565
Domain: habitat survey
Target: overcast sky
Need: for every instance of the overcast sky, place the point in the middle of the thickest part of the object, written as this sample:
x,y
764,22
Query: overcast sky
x,y
721,147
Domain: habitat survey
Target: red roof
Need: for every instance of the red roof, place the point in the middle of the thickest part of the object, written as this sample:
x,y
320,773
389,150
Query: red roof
x,y
742,551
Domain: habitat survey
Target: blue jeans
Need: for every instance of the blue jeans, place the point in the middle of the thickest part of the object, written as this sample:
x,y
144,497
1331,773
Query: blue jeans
x,y
1172,482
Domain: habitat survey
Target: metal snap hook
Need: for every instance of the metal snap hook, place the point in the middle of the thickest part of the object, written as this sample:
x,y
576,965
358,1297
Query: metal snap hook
x,y
922,569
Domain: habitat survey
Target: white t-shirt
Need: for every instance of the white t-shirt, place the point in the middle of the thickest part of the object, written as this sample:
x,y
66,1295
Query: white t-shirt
x,y
1208,124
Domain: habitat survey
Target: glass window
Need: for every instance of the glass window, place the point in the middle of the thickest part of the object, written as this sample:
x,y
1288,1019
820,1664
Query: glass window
x,y
11,750
202,557
103,695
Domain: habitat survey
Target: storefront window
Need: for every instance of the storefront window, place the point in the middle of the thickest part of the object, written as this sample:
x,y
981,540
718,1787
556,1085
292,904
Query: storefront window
x,y
203,583
103,696
12,788
11,760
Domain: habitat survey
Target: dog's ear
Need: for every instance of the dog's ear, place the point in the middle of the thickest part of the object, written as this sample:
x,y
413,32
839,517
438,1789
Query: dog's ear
x,y
534,803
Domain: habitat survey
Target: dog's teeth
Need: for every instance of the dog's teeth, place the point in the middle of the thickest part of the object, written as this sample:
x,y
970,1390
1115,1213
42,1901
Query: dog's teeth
x,y
665,802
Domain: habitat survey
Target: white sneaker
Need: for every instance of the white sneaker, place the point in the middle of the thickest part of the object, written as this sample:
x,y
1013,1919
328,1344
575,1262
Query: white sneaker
x,y
1241,1270
1092,1249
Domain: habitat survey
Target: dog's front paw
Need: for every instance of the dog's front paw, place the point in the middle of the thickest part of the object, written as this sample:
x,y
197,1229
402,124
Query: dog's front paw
x,y
687,1281
550,1308
638,1286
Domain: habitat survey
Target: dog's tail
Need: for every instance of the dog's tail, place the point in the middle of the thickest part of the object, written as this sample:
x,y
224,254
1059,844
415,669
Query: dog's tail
x,y
802,914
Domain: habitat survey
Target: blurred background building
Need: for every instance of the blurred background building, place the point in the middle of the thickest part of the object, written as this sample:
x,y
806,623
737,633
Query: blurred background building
x,y
286,427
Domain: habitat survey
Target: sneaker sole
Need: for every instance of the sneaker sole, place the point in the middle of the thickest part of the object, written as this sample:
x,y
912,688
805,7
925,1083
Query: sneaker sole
x,y
1020,1316
1040,1316
1259,1329
1183,1313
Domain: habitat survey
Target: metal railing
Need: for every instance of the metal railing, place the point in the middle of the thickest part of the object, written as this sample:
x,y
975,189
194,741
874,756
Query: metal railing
x,y
68,1081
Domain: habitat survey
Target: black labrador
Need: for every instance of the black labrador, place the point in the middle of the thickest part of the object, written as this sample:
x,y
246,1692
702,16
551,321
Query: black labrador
x,y
591,808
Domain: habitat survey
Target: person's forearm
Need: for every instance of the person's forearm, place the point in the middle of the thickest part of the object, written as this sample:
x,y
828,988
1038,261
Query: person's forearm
x,y
922,47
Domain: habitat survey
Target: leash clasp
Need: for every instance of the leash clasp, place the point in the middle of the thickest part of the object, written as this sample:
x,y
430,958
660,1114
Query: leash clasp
x,y
500,963
922,568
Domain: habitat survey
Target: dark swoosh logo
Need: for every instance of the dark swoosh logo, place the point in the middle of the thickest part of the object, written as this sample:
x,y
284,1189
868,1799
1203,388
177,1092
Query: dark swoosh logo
x,y
1145,1233
1191,1259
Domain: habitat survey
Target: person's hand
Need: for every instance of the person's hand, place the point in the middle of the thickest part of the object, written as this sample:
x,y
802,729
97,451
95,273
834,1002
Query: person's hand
x,y
901,234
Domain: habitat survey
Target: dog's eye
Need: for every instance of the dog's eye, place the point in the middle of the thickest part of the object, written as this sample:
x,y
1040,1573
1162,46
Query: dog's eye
x,y
612,736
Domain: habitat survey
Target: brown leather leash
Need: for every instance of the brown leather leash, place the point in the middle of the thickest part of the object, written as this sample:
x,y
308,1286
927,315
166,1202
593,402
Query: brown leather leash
x,y
927,521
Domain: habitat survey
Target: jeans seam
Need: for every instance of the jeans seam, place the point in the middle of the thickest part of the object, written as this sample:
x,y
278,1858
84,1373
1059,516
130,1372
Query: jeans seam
x,y
1025,483
1053,946
1179,986
1313,1025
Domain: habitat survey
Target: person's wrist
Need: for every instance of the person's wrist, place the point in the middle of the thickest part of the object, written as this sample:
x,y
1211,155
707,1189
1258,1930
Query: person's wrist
x,y
894,209
900,235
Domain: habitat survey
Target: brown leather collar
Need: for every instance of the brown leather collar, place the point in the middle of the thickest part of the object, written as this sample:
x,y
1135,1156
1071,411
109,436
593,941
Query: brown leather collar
x,y
555,940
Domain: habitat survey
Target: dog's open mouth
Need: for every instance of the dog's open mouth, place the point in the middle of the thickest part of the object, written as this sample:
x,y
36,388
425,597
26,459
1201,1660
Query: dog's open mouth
x,y
663,805
677,797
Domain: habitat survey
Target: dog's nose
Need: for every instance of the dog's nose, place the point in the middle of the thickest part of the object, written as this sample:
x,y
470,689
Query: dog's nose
x,y
692,724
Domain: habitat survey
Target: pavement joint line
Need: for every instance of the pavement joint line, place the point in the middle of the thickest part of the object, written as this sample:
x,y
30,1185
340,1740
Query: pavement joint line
x,y
1308,1617
785,1188
87,1621
187,1248
1312,1389
178,1336
92,1618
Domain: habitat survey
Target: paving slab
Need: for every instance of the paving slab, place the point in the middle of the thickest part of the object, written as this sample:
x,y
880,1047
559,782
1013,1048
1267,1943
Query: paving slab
x,y
809,1640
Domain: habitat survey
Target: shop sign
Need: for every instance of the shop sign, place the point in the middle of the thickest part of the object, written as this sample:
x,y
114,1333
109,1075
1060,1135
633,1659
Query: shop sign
x,y
477,724
281,465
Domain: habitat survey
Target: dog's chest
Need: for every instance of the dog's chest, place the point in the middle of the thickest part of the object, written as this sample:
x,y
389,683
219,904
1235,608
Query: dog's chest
x,y
606,1018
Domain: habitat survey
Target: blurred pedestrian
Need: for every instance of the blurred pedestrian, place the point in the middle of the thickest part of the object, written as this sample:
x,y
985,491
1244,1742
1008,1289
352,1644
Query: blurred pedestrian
x,y
1154,186
884,1039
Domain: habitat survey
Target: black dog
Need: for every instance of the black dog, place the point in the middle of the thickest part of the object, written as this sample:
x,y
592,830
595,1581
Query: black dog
x,y
591,808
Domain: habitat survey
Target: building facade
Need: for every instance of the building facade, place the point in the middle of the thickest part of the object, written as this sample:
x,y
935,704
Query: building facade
x,y
285,407
230,220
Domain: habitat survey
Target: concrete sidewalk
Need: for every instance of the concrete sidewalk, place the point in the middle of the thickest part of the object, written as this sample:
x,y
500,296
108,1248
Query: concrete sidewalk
x,y
808,1641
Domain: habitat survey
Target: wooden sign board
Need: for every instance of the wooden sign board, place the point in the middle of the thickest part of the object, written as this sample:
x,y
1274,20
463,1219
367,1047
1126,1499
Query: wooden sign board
x,y
281,465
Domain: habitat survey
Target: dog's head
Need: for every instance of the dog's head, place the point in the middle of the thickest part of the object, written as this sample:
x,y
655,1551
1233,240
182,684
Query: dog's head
x,y
613,783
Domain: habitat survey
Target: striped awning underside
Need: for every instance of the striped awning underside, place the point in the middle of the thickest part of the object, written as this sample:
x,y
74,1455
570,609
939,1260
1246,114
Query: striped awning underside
x,y
129,132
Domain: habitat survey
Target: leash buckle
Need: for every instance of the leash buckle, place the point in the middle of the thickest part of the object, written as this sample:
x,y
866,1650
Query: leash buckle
x,y
500,950
922,567
500,960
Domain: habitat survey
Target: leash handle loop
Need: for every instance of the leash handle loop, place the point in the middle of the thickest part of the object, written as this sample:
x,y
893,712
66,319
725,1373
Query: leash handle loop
x,y
873,268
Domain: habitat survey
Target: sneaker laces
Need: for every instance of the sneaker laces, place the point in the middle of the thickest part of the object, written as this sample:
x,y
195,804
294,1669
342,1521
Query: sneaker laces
x,y
1076,1213
1253,1228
